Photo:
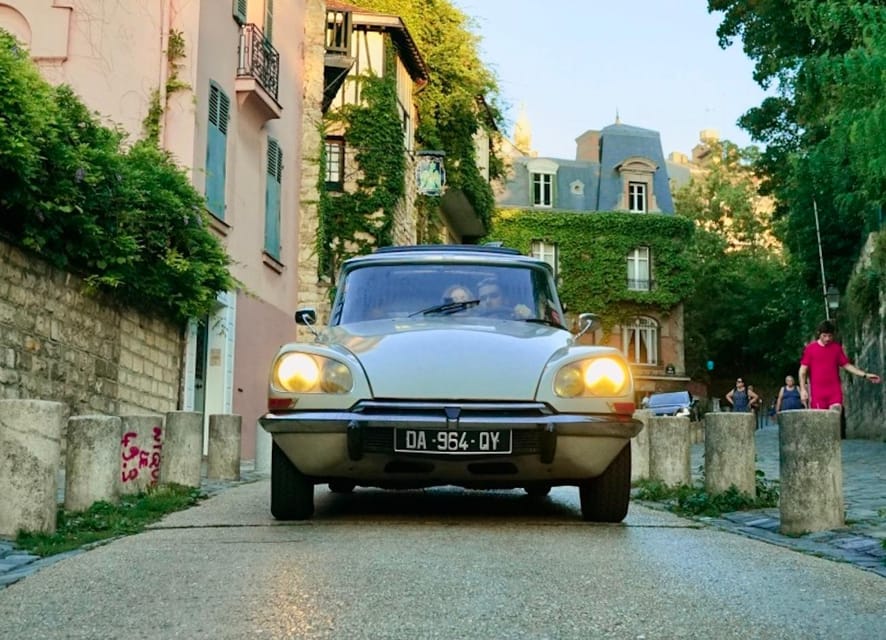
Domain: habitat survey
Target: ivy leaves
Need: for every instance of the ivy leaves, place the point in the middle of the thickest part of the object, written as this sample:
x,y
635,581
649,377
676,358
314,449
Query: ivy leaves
x,y
357,221
593,250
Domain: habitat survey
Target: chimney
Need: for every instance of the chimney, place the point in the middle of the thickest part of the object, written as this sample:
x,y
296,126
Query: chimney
x,y
587,146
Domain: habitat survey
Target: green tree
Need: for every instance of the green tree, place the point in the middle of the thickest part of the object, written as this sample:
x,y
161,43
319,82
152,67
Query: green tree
x,y
825,130
743,310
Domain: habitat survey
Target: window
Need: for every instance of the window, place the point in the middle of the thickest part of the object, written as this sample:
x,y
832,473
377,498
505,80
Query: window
x,y
542,190
240,11
640,341
546,251
216,150
638,269
637,197
335,164
272,198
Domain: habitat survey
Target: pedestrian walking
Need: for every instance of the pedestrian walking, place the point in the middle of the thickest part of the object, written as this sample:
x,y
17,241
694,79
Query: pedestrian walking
x,y
789,396
741,397
820,370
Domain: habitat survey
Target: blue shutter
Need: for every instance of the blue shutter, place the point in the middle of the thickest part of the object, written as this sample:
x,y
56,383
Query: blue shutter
x,y
216,151
272,198
240,11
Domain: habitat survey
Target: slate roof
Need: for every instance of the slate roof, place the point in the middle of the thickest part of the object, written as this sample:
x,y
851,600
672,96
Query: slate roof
x,y
601,181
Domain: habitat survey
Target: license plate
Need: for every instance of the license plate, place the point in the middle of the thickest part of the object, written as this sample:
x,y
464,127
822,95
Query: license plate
x,y
455,442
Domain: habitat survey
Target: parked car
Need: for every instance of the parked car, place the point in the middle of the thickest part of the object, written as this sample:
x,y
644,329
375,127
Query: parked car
x,y
674,403
417,382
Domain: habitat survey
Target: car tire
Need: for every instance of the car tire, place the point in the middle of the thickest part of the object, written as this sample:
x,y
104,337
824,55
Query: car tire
x,y
341,486
537,490
292,493
606,497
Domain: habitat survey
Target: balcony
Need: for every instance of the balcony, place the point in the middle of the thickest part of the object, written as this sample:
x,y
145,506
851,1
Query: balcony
x,y
338,62
258,73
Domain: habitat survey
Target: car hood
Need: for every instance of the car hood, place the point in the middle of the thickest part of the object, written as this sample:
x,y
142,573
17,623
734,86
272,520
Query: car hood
x,y
451,359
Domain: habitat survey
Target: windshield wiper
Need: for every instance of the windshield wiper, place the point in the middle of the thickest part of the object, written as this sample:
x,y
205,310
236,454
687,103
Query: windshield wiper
x,y
447,307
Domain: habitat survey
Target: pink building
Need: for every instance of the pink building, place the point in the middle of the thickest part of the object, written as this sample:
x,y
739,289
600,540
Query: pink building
x,y
223,85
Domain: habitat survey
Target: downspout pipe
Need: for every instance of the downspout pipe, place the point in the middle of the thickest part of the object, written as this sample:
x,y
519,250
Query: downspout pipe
x,y
165,28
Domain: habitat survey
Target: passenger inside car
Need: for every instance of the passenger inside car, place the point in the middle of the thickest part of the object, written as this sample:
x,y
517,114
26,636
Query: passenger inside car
x,y
457,293
493,302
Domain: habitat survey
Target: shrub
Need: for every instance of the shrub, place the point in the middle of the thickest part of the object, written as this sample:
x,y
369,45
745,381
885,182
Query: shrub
x,y
126,219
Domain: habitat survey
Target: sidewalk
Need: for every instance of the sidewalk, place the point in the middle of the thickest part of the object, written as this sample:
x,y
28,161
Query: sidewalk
x,y
864,495
16,564
858,543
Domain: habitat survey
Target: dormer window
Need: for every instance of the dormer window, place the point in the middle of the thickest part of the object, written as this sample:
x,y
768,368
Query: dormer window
x,y
637,176
637,197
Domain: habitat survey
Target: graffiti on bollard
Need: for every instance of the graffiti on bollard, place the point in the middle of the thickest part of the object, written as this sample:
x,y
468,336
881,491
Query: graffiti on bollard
x,y
137,456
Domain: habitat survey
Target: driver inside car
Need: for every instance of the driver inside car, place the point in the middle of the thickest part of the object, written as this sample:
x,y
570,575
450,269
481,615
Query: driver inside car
x,y
492,299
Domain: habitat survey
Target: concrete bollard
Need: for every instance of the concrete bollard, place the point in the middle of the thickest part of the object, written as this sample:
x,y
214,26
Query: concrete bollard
x,y
223,460
263,442
640,447
140,453
182,449
30,455
811,471
669,450
730,452
91,461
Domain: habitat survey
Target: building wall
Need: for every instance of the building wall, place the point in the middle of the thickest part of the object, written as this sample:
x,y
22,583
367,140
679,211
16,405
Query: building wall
x,y
59,343
311,291
865,402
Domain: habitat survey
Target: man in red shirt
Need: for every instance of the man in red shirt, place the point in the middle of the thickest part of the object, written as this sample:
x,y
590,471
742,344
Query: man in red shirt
x,y
820,370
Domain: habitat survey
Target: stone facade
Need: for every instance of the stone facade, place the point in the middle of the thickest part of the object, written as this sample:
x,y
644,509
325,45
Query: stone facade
x,y
866,402
59,343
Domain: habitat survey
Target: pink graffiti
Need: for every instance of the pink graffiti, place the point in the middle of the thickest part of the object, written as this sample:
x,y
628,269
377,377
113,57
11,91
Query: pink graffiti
x,y
146,458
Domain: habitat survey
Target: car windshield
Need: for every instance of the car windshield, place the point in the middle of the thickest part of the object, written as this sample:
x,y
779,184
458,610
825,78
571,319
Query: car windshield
x,y
669,399
373,292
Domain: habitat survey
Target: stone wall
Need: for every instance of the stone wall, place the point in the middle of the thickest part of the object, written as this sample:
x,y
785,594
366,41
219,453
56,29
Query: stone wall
x,y
865,402
59,343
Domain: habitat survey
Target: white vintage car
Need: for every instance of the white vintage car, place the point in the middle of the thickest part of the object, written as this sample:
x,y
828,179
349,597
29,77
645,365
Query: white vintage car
x,y
449,365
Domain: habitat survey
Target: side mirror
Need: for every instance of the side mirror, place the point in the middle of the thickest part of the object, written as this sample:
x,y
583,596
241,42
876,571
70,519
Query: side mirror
x,y
306,316
587,322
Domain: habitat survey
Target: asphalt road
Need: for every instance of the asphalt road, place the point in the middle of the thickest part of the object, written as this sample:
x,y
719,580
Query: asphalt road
x,y
439,564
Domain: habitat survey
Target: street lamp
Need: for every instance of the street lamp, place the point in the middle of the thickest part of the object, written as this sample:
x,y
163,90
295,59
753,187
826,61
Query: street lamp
x,y
832,297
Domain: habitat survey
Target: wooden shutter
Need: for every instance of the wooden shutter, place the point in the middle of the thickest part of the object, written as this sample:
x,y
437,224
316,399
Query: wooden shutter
x,y
240,11
272,198
216,150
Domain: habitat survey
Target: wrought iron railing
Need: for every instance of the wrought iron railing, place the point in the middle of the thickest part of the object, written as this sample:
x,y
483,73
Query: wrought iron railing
x,y
259,59
639,284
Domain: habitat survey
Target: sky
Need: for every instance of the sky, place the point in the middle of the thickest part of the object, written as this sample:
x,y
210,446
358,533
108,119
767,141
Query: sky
x,y
574,64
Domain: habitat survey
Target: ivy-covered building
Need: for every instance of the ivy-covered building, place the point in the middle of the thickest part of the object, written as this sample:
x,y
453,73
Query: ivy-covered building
x,y
363,73
605,222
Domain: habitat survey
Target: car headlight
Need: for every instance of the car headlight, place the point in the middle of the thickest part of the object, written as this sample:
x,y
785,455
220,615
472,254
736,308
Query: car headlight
x,y
604,376
309,373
